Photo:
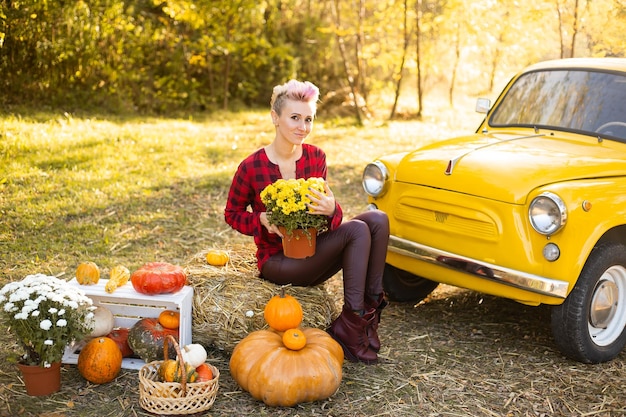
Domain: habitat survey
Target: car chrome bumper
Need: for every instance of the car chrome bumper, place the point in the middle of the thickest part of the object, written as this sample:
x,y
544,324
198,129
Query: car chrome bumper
x,y
518,279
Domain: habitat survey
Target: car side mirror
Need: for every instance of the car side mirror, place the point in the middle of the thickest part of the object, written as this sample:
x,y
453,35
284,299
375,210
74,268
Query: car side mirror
x,y
483,105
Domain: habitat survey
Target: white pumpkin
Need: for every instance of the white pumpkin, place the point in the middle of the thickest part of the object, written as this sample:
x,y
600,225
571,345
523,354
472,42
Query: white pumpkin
x,y
103,322
194,354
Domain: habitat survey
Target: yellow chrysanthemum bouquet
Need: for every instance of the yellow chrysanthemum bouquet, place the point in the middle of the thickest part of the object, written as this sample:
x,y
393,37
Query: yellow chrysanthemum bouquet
x,y
286,203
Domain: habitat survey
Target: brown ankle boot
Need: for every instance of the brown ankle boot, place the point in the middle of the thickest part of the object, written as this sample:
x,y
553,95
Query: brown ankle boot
x,y
349,329
372,328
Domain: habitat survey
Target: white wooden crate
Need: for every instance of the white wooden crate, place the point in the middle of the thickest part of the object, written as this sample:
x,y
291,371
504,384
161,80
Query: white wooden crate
x,y
128,306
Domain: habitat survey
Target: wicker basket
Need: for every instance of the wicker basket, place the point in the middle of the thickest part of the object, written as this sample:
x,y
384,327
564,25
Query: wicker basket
x,y
173,397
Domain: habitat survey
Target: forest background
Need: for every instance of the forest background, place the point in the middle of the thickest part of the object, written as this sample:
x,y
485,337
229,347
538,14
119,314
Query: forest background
x,y
178,57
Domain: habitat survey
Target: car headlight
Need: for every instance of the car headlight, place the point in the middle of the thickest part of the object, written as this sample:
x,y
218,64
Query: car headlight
x,y
547,213
375,176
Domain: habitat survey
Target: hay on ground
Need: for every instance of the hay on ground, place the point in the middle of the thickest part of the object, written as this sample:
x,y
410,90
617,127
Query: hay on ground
x,y
228,301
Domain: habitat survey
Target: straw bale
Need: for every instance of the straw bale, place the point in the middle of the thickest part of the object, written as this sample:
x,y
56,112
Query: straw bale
x,y
228,301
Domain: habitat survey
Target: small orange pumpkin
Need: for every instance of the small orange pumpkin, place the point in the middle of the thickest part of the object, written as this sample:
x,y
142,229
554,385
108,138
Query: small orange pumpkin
x,y
205,373
294,339
283,312
120,337
87,273
169,319
100,361
217,257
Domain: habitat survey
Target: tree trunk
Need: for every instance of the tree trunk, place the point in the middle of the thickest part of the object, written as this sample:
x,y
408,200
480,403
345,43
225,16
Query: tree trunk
x,y
361,67
455,65
405,49
346,64
418,18
560,17
574,30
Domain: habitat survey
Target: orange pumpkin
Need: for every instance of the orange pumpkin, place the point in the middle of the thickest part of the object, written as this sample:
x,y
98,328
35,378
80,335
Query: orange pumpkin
x,y
100,360
120,337
158,278
278,376
294,339
169,319
87,273
204,373
283,312
217,257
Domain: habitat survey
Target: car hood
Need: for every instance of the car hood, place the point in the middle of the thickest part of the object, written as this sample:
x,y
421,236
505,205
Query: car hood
x,y
507,166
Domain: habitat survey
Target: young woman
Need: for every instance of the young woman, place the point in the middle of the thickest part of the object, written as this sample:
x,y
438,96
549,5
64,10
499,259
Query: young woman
x,y
357,246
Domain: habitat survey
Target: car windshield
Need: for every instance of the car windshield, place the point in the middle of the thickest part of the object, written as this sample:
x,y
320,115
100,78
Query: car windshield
x,y
588,102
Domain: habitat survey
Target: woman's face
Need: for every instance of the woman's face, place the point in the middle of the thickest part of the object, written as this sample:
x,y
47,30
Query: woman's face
x,y
295,121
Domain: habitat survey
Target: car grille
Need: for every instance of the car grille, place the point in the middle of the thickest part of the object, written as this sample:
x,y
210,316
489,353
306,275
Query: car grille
x,y
452,219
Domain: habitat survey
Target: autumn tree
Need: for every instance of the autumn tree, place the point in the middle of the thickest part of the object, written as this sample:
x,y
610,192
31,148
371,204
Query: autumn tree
x,y
165,56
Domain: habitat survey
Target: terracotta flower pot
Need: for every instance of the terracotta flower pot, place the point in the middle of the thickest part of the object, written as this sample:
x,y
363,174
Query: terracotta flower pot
x,y
298,244
41,381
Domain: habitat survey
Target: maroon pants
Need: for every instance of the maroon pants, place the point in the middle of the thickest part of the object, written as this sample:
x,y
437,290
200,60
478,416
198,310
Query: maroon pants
x,y
358,246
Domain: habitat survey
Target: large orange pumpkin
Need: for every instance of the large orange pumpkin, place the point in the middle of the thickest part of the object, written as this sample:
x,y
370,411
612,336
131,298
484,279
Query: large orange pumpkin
x,y
283,312
278,376
100,360
158,278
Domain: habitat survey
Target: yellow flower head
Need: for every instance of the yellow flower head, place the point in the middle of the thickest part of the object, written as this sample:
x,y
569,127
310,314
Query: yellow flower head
x,y
287,203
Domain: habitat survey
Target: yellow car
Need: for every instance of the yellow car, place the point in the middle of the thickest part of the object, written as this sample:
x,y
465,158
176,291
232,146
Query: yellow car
x,y
530,207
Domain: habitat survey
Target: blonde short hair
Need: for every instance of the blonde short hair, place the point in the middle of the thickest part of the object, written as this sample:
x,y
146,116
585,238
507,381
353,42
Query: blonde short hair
x,y
293,90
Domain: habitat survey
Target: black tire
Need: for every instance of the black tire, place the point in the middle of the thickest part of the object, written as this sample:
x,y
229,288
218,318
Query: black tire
x,y
403,286
578,333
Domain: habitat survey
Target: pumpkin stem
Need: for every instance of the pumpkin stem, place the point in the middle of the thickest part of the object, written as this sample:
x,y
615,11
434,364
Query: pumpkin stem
x,y
282,290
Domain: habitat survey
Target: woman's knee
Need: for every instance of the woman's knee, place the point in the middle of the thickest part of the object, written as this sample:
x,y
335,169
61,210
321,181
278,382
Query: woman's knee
x,y
358,229
381,219
376,220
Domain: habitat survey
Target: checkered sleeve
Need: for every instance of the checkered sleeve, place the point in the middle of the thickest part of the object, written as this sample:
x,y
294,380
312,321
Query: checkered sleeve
x,y
241,196
317,168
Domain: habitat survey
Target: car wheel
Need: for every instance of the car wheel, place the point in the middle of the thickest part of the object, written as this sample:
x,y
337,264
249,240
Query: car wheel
x,y
403,286
590,325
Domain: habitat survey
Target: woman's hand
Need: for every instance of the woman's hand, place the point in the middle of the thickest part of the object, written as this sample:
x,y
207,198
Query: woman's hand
x,y
322,203
271,228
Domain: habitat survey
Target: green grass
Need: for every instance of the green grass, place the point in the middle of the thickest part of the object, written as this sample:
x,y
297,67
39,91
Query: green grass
x,y
130,191
126,191
137,190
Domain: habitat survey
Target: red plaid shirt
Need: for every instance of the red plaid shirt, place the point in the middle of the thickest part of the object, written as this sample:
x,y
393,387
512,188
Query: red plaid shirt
x,y
253,175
